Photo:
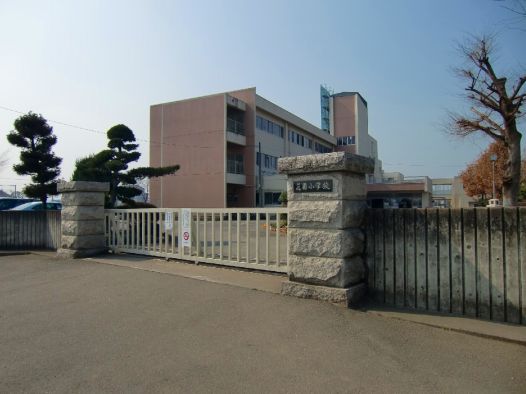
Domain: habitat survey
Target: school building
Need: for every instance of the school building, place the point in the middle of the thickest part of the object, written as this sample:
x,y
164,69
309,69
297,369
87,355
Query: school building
x,y
228,145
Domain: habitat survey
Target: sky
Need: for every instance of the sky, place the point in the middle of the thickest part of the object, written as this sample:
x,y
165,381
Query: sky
x,y
94,64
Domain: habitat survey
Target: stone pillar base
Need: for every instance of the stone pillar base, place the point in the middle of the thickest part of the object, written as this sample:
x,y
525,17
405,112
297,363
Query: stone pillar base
x,y
350,296
83,221
79,253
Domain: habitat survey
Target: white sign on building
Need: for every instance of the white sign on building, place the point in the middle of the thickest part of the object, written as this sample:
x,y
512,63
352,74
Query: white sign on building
x,y
186,224
169,221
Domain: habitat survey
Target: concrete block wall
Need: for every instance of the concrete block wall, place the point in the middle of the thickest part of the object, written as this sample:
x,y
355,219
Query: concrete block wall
x,y
29,230
469,261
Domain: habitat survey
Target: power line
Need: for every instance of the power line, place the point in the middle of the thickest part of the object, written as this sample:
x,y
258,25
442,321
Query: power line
x,y
56,121
183,134
424,165
193,133
81,127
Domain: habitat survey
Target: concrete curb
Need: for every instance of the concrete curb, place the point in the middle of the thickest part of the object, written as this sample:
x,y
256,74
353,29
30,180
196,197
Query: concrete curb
x,y
12,253
503,332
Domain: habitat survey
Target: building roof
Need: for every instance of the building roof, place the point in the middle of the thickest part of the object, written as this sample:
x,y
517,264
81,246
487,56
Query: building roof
x,y
301,123
343,94
395,187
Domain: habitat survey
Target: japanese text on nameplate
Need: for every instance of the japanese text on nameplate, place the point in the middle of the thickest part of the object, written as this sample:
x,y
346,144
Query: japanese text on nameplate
x,y
318,186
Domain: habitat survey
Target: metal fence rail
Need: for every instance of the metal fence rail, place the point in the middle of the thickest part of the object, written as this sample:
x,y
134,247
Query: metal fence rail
x,y
253,238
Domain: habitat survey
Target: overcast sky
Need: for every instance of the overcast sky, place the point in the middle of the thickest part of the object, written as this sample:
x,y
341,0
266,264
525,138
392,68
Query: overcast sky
x,y
94,64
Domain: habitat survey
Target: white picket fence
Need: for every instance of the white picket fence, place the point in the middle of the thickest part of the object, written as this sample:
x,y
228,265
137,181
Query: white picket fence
x,y
253,238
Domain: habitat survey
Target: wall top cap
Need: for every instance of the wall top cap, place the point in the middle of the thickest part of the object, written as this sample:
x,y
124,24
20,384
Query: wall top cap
x,y
83,186
326,162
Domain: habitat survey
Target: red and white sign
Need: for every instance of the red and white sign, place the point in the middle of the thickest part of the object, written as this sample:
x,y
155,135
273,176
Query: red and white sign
x,y
186,226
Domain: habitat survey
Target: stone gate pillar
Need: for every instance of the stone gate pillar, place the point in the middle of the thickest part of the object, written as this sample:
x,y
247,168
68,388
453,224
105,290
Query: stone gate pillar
x,y
82,219
327,201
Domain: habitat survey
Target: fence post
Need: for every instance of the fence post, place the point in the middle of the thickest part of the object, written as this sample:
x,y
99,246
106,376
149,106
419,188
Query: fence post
x,y
327,204
83,227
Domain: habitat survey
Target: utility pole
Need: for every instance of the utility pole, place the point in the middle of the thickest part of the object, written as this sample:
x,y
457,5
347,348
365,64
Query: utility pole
x,y
493,159
260,176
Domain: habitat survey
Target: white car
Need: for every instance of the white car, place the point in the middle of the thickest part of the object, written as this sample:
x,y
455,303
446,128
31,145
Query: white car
x,y
494,203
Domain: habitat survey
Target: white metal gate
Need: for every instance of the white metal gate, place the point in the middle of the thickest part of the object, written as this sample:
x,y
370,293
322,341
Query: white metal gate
x,y
250,238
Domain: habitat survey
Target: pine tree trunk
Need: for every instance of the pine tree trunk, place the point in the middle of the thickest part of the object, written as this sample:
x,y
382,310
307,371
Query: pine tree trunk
x,y
512,172
113,193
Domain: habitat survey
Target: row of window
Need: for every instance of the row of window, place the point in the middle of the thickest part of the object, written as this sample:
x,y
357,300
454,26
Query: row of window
x,y
320,148
269,126
442,189
346,140
299,139
294,137
270,198
268,161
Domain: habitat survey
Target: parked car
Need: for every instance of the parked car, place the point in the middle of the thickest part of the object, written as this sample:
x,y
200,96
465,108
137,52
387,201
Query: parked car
x,y
494,203
10,202
37,206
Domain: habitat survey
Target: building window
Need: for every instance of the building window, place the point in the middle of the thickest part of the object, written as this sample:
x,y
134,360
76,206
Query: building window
x,y
269,163
346,140
320,148
298,138
442,203
442,189
272,198
234,163
269,126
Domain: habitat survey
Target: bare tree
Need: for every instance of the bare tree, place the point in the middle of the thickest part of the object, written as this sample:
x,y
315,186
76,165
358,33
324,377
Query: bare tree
x,y
518,7
517,19
495,110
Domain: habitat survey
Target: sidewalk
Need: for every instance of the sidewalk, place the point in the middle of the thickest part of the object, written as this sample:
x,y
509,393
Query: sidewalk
x,y
271,283
268,282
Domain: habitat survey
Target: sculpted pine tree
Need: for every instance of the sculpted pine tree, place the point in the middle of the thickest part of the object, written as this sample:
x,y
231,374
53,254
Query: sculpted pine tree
x,y
111,165
35,137
495,111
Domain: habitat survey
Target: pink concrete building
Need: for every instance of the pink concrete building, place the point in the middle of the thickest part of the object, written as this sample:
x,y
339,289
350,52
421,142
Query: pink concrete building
x,y
228,144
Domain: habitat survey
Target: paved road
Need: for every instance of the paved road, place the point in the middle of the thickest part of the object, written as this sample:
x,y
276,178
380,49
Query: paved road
x,y
87,327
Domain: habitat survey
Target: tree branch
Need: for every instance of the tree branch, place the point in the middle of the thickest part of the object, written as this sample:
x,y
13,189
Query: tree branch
x,y
488,119
466,126
518,87
484,98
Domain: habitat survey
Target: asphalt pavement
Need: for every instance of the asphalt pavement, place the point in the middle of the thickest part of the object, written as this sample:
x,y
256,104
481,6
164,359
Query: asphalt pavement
x,y
79,326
